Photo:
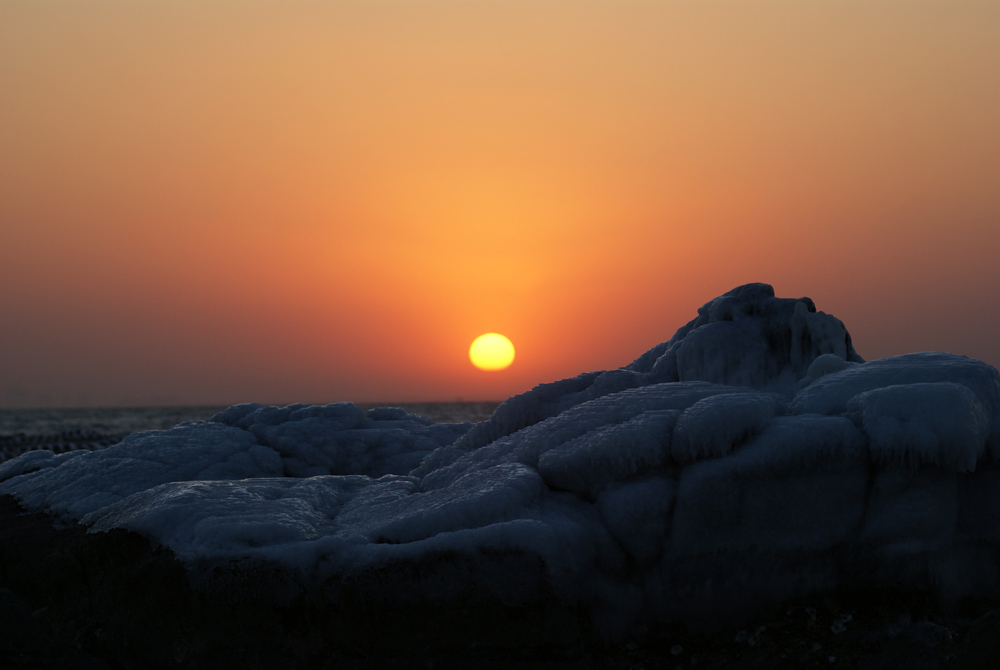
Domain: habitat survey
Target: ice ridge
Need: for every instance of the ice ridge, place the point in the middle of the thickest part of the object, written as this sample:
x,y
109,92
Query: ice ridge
x,y
752,457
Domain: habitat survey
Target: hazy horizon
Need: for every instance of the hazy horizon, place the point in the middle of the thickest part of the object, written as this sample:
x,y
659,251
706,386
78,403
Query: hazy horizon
x,y
217,202
360,403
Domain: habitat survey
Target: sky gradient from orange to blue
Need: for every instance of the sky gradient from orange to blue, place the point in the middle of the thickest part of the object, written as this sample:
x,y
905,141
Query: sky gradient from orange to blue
x,y
211,202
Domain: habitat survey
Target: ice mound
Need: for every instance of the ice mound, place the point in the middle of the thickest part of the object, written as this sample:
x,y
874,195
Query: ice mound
x,y
746,337
244,441
752,457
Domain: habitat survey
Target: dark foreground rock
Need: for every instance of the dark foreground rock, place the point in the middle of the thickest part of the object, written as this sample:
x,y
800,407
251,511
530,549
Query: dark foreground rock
x,y
69,599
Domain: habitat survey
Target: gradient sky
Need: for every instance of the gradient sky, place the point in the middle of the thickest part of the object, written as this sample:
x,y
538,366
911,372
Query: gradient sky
x,y
217,202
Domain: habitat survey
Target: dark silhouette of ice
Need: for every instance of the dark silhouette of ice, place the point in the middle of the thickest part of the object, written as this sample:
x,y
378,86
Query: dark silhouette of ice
x,y
752,457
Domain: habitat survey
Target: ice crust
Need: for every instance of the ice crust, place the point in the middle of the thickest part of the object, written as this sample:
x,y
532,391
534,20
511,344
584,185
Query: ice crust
x,y
754,456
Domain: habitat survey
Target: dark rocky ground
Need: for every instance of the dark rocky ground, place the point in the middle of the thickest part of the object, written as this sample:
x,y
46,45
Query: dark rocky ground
x,y
111,600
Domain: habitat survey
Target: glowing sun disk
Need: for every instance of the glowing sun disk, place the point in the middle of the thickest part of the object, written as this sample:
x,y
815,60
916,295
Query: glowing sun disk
x,y
491,351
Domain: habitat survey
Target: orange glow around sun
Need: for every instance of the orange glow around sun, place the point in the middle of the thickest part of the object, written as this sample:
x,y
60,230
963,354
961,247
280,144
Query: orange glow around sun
x,y
491,351
329,201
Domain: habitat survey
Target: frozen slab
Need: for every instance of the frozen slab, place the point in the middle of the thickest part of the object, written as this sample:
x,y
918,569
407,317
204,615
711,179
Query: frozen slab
x,y
244,441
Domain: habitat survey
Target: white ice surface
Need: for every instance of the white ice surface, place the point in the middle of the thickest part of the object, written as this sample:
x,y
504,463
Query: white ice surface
x,y
753,456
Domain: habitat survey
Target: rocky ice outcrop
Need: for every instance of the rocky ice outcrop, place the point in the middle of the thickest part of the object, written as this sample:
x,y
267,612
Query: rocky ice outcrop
x,y
753,457
746,337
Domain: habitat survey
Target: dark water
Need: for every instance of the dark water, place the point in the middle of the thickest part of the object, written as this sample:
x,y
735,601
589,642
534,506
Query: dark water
x,y
446,412
62,430
107,420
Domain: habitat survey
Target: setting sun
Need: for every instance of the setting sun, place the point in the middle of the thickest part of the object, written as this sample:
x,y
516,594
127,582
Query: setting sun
x,y
390,177
491,351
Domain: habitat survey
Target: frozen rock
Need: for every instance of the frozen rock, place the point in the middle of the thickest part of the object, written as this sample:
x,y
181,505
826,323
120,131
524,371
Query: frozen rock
x,y
939,423
832,393
717,425
799,485
586,464
89,481
824,365
341,438
752,457
638,514
746,337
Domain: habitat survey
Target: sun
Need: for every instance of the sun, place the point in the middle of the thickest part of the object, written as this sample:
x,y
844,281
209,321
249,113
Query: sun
x,y
491,351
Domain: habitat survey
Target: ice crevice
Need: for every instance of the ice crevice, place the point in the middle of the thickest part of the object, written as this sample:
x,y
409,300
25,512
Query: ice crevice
x,y
753,456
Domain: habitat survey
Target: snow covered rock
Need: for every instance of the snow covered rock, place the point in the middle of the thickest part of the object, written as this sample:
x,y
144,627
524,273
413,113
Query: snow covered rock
x,y
748,337
940,423
752,457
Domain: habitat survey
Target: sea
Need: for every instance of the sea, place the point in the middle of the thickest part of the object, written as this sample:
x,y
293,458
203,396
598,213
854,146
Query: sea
x,y
62,430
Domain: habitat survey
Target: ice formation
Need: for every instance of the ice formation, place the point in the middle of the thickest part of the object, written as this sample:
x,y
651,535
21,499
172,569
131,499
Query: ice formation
x,y
752,457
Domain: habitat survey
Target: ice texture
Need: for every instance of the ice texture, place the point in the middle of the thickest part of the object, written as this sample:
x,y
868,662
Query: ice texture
x,y
754,456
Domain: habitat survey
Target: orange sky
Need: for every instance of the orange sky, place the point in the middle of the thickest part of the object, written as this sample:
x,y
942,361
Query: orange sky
x,y
217,202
